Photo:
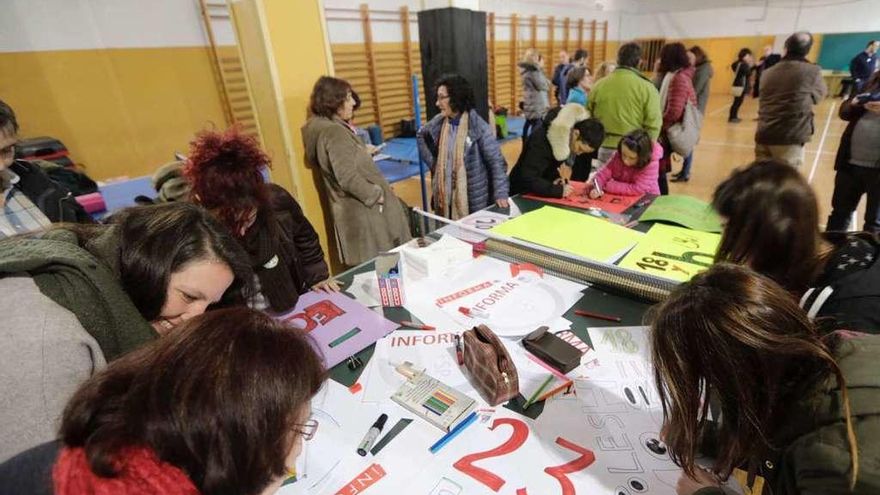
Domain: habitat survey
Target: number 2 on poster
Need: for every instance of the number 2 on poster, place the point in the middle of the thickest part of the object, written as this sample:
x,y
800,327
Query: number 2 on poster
x,y
518,437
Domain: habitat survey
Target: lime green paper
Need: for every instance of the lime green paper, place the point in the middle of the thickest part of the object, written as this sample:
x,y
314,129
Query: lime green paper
x,y
683,210
671,252
571,231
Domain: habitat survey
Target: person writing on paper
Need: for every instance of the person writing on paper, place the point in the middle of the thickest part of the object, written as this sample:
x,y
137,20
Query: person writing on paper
x,y
799,411
772,225
538,171
632,170
225,171
367,216
219,406
468,170
79,296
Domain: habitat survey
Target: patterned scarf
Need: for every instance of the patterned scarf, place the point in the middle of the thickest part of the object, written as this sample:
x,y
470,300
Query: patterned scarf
x,y
459,174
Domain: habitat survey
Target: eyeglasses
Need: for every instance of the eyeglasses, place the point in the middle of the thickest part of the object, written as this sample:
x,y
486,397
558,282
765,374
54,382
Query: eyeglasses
x,y
307,429
442,97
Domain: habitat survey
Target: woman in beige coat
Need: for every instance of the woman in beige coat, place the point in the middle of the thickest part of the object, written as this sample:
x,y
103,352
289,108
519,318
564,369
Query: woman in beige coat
x,y
367,216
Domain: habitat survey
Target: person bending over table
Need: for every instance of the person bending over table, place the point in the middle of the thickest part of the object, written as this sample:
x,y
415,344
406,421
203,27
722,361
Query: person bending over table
x,y
225,170
219,406
79,296
367,215
468,170
539,169
772,225
798,409
632,169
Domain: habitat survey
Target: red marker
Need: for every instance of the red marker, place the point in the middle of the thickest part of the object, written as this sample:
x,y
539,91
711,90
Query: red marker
x,y
472,313
458,353
415,326
597,316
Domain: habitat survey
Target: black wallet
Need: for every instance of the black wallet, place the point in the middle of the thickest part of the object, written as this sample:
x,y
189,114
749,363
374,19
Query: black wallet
x,y
552,350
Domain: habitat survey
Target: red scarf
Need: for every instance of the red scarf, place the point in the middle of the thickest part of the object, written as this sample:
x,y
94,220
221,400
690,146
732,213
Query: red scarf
x,y
140,473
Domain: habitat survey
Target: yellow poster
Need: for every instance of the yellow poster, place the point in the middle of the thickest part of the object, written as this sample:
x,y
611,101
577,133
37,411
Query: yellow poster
x,y
671,252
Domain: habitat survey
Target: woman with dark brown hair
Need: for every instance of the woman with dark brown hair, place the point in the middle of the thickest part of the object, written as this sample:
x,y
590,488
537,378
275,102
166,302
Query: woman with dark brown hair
x,y
225,171
367,216
772,226
799,412
220,406
675,75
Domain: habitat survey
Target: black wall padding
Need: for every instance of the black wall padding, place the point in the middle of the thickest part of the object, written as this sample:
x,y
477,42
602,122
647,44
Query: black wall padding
x,y
454,41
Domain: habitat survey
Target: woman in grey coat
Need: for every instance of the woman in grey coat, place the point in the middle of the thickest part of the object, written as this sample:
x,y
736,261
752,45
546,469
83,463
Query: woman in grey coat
x,y
468,170
367,215
536,90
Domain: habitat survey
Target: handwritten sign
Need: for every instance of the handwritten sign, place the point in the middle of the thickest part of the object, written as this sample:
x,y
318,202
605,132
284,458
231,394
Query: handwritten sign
x,y
673,253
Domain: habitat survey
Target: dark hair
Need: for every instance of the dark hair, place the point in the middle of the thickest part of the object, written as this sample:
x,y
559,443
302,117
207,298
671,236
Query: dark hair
x,y
640,142
574,76
591,132
8,122
735,338
218,398
158,240
328,96
580,54
772,223
699,54
461,95
798,44
871,43
673,56
225,171
629,55
742,53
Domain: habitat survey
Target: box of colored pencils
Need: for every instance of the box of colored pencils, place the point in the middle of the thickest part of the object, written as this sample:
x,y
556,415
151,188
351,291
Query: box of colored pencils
x,y
389,272
433,401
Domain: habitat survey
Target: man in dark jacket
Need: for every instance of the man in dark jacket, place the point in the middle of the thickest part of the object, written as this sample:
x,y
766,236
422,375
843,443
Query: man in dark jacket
x,y
789,90
863,65
29,199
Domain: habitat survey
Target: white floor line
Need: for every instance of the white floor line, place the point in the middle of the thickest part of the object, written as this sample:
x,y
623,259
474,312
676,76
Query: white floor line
x,y
821,143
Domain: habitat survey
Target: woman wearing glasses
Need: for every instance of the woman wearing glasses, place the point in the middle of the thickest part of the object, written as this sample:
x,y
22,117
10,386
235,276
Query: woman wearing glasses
x,y
219,406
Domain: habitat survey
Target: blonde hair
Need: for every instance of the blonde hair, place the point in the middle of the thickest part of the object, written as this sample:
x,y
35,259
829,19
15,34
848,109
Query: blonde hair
x,y
606,68
532,55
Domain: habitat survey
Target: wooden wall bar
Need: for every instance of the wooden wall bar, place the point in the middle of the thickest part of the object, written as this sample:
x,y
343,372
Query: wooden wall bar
x,y
381,73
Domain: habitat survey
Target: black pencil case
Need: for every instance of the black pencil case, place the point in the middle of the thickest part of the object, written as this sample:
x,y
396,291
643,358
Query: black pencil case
x,y
552,350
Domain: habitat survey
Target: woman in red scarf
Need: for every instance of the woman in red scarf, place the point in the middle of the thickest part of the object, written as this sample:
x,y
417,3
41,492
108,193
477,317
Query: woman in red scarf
x,y
219,406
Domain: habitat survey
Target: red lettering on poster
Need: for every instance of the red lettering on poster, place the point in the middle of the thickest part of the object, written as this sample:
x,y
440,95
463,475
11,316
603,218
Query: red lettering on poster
x,y
320,313
361,482
517,438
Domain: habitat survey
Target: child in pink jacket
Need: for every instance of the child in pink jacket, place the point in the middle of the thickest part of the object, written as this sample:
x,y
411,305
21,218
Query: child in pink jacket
x,y
632,171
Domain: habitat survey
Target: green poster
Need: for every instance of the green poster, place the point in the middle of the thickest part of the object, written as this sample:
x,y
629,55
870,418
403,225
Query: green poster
x,y
571,231
671,252
683,210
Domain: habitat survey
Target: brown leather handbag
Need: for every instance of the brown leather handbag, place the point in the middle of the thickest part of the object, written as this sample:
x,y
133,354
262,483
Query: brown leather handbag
x,y
489,364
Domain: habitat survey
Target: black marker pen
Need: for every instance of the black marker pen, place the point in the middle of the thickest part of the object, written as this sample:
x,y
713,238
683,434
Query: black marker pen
x,y
371,435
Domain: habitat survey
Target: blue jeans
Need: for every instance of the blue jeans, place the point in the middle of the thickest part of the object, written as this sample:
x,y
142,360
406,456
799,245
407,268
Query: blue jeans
x,y
686,167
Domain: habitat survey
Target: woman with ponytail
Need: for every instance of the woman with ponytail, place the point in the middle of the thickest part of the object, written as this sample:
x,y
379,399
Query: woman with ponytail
x,y
794,412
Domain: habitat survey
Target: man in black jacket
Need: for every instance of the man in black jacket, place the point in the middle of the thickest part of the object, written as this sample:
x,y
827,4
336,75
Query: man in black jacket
x,y
863,65
29,199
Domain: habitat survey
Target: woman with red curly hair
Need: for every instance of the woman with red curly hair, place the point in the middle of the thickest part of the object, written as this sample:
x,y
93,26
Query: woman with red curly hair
x,y
225,170
367,216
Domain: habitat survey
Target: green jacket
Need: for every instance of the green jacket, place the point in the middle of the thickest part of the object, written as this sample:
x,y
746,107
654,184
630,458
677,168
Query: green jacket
x,y
813,456
623,101
85,281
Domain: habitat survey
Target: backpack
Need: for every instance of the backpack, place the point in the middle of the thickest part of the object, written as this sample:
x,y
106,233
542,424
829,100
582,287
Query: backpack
x,y
683,136
851,290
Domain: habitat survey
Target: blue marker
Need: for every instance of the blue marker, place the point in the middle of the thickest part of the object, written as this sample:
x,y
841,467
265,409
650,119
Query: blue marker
x,y
453,433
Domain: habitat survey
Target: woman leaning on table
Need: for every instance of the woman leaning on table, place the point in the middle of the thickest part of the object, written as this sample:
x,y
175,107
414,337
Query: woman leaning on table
x,y
799,410
367,215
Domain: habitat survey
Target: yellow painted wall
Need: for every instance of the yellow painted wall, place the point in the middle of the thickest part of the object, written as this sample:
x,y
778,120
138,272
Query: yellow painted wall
x,y
119,111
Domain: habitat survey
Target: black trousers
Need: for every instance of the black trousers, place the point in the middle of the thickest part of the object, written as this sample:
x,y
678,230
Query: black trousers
x,y
529,124
850,183
734,108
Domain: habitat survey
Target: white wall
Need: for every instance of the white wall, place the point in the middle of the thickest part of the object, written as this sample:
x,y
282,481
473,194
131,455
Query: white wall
x,y
40,25
351,31
752,18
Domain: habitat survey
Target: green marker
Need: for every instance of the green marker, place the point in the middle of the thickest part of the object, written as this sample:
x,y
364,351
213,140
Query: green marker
x,y
538,392
351,333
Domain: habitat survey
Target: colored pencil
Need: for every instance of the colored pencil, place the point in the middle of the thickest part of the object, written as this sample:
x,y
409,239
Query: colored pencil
x,y
535,395
555,391
589,314
415,326
453,433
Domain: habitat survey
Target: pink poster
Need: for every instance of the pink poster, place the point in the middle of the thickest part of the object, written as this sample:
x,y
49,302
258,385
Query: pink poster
x,y
339,325
612,203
